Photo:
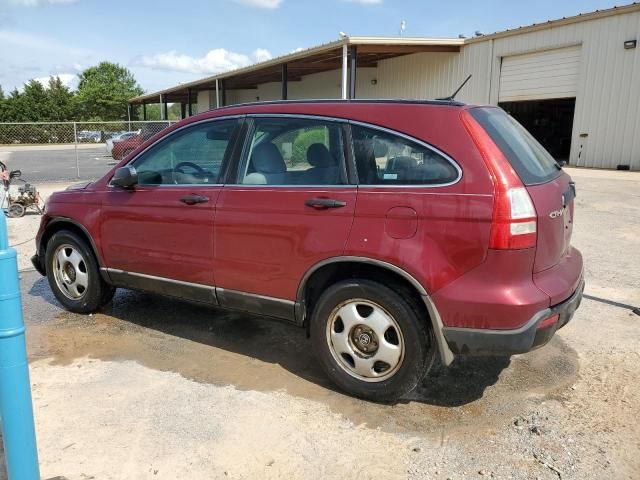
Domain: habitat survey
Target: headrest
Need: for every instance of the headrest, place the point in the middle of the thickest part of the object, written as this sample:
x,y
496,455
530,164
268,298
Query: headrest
x,y
402,163
319,156
266,158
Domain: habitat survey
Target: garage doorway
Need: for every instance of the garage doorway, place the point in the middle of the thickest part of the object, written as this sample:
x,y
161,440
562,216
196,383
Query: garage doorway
x,y
549,121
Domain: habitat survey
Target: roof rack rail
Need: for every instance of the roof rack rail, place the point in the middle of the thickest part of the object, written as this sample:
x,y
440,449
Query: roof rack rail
x,y
446,101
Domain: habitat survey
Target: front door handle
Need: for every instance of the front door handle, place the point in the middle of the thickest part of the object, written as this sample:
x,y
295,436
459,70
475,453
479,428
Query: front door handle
x,y
193,199
324,203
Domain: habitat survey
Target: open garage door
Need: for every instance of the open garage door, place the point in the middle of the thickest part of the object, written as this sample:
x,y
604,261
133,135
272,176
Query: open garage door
x,y
539,89
540,75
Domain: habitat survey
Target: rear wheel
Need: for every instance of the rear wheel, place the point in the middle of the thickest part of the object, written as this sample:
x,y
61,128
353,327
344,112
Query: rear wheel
x,y
73,274
370,340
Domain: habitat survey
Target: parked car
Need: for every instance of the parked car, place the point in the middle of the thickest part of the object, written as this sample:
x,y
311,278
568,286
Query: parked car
x,y
119,138
89,136
121,149
394,231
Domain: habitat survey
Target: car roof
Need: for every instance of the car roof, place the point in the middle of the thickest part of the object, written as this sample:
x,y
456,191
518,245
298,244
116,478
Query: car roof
x,y
320,107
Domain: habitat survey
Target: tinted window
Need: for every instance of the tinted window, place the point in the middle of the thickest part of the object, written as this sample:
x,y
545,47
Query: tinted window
x,y
383,158
191,156
294,151
528,158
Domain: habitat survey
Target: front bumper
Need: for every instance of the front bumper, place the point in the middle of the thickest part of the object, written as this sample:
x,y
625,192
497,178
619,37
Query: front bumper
x,y
477,342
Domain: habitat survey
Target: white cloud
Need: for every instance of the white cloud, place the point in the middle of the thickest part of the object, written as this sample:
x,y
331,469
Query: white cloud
x,y
38,43
365,2
38,3
215,61
68,79
270,4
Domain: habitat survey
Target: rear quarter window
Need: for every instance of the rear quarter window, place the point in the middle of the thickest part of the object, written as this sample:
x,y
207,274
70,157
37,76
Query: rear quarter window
x,y
532,163
385,158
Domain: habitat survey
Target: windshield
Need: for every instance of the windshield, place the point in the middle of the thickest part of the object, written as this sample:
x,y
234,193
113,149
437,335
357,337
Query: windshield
x,y
529,159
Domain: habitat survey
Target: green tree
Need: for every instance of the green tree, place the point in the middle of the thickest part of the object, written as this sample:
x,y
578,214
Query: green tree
x,y
61,103
103,92
30,105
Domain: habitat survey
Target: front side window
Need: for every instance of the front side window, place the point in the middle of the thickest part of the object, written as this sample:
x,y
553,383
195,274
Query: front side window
x,y
294,151
383,158
192,156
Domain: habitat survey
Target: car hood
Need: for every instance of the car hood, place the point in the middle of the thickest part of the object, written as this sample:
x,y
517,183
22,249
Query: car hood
x,y
79,186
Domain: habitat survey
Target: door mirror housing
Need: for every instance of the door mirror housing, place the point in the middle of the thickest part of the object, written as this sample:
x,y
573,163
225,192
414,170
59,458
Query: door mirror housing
x,y
125,177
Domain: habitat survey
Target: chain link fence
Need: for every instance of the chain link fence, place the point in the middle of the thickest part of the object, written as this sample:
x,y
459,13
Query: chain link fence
x,y
58,151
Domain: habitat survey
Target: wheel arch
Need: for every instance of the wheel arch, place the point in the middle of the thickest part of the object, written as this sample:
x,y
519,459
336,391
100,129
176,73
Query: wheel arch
x,y
334,269
58,224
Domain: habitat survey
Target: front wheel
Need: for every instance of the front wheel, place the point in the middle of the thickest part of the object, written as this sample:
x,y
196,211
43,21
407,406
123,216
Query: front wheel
x,y
371,340
73,274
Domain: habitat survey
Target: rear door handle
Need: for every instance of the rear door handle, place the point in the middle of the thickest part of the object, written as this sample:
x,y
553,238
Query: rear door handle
x,y
324,203
193,199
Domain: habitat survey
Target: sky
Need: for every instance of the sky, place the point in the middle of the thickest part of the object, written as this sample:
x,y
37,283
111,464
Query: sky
x,y
167,42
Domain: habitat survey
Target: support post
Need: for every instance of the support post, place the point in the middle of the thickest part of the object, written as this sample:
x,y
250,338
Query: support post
x,y
162,117
284,81
166,109
129,115
75,142
217,94
144,111
190,102
344,71
16,409
353,69
183,110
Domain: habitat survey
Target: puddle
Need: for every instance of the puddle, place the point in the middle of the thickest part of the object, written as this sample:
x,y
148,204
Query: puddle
x,y
250,353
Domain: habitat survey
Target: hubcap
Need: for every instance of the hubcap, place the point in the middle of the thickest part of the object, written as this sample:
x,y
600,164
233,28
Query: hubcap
x,y
365,340
70,272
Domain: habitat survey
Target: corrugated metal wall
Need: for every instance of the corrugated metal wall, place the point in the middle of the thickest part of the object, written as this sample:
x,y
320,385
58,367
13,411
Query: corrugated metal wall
x,y
606,129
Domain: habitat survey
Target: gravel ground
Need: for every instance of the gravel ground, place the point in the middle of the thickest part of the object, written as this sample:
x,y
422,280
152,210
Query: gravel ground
x,y
154,388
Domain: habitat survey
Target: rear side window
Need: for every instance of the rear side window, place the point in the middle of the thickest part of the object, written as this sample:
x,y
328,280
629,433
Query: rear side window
x,y
384,158
529,159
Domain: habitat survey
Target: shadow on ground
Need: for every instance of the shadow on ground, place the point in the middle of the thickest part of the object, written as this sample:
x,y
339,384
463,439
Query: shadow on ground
x,y
252,353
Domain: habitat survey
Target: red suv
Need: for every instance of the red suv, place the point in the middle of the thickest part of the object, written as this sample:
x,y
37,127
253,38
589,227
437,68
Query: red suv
x,y
394,231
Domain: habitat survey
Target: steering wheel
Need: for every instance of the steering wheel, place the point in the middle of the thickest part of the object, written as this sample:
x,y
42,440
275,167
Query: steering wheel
x,y
199,170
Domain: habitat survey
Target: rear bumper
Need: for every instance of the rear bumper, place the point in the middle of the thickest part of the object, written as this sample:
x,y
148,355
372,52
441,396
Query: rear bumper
x,y
533,334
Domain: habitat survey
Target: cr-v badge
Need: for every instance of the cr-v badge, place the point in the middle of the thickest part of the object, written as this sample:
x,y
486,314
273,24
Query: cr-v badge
x,y
556,213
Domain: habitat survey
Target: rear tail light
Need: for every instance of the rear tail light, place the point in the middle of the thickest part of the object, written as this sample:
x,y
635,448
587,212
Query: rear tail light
x,y
514,224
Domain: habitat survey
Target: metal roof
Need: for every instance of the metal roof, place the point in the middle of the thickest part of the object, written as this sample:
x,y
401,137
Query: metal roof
x,y
316,59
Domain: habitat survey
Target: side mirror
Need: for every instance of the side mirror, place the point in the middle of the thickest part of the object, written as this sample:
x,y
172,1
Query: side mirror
x,y
125,177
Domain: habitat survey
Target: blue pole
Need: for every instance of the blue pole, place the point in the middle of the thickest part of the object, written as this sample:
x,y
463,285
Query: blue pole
x,y
16,411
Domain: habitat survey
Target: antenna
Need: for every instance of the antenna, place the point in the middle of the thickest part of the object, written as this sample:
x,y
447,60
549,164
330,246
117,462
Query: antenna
x,y
453,95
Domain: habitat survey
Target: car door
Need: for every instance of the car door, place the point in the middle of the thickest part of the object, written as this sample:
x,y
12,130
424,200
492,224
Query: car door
x,y
290,207
159,235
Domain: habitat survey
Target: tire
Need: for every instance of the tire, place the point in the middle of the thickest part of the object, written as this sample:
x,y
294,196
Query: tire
x,y
370,340
16,210
74,275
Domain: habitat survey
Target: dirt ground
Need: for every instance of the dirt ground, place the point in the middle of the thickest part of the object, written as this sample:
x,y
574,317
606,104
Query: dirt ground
x,y
155,388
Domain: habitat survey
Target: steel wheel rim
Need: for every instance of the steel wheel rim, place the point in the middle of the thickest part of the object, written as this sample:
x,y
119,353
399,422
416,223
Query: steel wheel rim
x,y
365,340
70,272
